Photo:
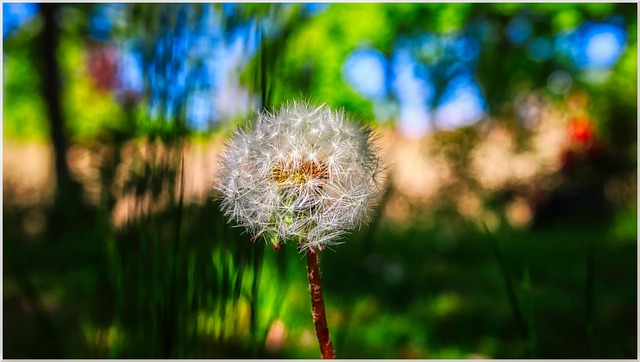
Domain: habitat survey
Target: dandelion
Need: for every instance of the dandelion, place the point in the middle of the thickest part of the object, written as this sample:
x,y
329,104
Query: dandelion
x,y
306,174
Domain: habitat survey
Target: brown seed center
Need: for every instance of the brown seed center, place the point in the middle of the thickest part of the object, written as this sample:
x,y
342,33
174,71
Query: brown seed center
x,y
287,172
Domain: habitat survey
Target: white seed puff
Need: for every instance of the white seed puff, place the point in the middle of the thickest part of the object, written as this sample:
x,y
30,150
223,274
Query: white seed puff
x,y
303,173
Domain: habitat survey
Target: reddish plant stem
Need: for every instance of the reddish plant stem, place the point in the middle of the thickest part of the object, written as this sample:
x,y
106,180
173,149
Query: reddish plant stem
x,y
317,306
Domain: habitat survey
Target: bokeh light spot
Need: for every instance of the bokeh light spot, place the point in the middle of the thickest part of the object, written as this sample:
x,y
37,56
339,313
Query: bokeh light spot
x,y
518,30
364,71
559,82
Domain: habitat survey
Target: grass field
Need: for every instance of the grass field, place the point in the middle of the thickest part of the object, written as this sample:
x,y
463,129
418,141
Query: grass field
x,y
183,283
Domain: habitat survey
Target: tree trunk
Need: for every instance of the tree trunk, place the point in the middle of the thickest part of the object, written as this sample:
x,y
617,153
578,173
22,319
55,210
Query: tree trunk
x,y
51,86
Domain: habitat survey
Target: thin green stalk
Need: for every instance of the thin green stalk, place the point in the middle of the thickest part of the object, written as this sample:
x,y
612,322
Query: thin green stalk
x,y
511,294
526,287
258,253
589,287
171,312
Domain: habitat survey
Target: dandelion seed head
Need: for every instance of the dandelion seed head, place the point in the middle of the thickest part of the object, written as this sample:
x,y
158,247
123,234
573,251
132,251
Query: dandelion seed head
x,y
303,173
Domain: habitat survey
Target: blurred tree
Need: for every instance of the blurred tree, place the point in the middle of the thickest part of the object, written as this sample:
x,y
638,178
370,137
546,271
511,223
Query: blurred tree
x,y
515,45
51,85
68,204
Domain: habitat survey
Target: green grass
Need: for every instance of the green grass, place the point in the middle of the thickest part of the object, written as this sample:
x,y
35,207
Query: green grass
x,y
183,283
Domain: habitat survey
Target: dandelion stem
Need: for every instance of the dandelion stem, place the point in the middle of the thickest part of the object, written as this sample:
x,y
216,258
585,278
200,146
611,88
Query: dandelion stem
x,y
317,306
